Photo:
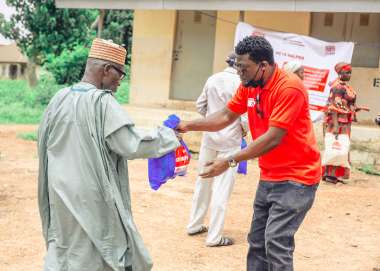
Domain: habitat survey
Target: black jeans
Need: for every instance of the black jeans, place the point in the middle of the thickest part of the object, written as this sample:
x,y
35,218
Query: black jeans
x,y
279,210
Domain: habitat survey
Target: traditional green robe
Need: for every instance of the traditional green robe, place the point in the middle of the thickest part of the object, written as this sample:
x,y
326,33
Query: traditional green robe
x,y
84,141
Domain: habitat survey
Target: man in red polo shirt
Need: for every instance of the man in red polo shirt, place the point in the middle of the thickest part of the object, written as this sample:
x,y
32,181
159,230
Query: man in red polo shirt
x,y
278,112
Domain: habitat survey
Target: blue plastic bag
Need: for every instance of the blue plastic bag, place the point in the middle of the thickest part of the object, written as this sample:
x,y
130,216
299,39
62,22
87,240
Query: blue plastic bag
x,y
243,165
173,164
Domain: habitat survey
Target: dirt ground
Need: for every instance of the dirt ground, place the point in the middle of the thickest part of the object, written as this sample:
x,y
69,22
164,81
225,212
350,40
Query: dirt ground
x,y
341,232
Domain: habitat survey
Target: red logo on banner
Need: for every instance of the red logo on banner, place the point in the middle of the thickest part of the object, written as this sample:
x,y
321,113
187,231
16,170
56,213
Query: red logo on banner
x,y
315,79
330,50
258,34
317,107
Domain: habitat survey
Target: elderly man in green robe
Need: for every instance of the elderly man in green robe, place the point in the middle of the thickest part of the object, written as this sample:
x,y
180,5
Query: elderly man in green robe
x,y
84,141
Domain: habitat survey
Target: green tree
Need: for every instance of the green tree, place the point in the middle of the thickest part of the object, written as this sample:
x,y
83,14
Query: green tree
x,y
118,26
69,66
40,29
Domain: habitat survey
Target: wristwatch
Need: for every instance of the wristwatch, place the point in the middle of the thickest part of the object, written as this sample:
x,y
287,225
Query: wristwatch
x,y
231,162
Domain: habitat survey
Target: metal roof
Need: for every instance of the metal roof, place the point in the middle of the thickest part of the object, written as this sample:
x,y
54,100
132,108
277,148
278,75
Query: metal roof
x,y
11,54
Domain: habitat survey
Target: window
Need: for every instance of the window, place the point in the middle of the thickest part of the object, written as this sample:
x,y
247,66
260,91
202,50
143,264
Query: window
x,y
13,71
197,17
329,19
22,69
364,19
361,28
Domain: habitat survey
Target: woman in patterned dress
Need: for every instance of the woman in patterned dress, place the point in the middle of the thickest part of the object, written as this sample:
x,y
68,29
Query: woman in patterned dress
x,y
341,112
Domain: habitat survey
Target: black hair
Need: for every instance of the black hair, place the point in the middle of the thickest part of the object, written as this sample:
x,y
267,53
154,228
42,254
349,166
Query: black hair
x,y
258,48
230,62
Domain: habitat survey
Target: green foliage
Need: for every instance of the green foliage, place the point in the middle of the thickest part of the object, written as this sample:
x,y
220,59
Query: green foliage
x,y
19,113
43,92
122,94
118,26
21,104
59,38
41,29
68,68
370,170
32,136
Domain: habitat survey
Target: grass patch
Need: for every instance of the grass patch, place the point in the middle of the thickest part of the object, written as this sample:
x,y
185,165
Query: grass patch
x,y
19,104
32,136
365,146
369,169
122,94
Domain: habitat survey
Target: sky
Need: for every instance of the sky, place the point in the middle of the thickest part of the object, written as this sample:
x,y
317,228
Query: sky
x,y
7,11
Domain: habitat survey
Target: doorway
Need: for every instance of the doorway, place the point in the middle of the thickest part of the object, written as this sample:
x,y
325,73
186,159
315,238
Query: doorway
x,y
193,53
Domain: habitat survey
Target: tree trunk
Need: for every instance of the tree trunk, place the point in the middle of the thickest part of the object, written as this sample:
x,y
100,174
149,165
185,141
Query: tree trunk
x,y
31,73
102,13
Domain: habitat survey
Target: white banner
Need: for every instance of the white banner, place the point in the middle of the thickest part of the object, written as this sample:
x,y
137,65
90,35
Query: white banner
x,y
318,58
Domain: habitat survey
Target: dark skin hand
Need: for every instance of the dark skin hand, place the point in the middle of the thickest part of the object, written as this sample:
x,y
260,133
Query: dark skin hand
x,y
260,146
220,120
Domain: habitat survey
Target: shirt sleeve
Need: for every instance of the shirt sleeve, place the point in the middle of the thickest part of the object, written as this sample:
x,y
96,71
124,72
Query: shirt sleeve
x,y
287,108
123,138
201,103
132,143
238,103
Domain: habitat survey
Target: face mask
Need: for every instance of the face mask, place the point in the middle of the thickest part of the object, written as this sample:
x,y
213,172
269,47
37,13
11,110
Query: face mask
x,y
256,83
345,78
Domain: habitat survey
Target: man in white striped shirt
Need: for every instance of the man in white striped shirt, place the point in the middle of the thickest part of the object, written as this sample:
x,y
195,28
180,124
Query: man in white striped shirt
x,y
217,91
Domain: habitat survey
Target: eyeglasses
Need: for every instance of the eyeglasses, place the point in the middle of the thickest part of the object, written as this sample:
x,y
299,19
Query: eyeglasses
x,y
259,110
123,74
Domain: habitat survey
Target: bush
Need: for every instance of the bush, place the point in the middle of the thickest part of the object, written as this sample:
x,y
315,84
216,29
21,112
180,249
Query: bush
x,y
69,66
370,170
32,136
122,94
20,104
43,92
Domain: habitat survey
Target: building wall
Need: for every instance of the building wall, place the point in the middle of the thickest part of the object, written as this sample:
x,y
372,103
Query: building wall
x,y
4,70
20,71
365,60
294,22
362,81
224,37
153,38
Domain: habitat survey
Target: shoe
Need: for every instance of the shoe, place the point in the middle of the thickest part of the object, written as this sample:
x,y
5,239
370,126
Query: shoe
x,y
203,229
224,241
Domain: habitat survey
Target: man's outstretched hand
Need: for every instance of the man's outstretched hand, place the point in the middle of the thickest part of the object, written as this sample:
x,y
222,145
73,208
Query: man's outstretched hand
x,y
214,168
182,127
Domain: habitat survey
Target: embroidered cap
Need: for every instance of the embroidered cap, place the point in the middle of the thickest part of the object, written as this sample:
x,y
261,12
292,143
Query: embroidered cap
x,y
107,50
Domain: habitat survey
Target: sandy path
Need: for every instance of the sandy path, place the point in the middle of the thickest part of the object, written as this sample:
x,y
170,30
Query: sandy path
x,y
341,232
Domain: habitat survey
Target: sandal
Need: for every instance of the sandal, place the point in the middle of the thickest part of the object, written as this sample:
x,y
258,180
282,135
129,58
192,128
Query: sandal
x,y
330,179
203,229
224,241
341,181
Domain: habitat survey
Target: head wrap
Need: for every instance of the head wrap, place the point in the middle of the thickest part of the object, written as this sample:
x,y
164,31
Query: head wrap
x,y
342,66
292,66
107,50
